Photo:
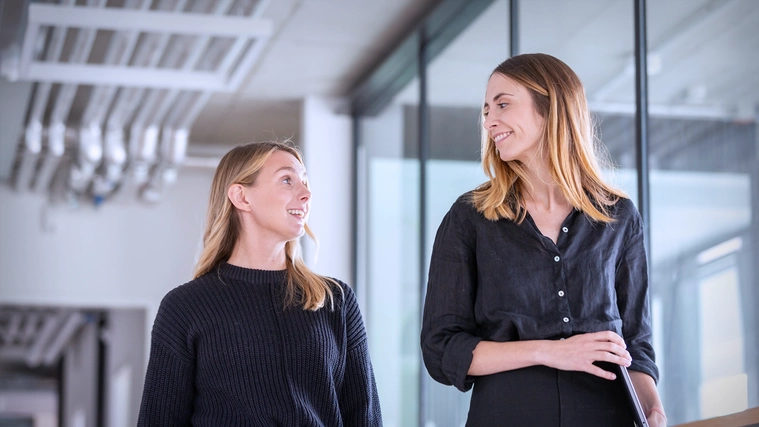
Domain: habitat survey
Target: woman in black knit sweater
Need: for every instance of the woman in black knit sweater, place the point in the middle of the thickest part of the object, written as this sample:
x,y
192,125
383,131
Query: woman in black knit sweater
x,y
256,338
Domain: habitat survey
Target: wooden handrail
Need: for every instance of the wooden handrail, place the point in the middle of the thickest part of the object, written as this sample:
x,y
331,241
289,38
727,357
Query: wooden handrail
x,y
748,417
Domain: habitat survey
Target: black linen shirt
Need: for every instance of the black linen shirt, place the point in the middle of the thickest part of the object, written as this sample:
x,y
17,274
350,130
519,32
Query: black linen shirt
x,y
502,281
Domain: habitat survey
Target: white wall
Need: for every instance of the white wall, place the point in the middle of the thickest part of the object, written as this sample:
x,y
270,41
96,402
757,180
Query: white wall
x,y
326,145
125,254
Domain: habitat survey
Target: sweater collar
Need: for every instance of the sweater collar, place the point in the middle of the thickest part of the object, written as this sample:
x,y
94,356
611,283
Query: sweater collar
x,y
252,275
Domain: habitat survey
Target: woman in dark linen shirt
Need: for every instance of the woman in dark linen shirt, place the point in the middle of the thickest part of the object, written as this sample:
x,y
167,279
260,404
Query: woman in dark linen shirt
x,y
538,279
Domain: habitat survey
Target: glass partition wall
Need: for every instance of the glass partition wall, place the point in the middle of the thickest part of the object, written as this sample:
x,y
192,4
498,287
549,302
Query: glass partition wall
x,y
702,139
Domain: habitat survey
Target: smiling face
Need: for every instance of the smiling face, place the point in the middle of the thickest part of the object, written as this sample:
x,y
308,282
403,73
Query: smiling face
x,y
279,199
511,119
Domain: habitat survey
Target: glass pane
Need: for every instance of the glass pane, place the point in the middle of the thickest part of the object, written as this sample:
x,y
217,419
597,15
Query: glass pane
x,y
703,92
595,38
389,173
456,88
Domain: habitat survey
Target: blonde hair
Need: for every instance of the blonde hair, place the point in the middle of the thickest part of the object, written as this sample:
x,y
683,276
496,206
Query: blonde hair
x,y
568,136
241,165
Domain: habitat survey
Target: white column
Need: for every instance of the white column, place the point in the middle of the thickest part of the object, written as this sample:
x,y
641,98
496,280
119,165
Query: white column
x,y
325,140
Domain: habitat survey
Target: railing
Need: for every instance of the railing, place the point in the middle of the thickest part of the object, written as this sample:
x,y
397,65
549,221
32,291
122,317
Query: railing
x,y
749,417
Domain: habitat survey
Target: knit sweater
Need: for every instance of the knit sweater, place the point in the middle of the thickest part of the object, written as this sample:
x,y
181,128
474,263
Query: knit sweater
x,y
226,352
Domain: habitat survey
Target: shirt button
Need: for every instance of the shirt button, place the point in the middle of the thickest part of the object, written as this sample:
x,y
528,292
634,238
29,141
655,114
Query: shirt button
x,y
566,319
561,293
564,229
556,258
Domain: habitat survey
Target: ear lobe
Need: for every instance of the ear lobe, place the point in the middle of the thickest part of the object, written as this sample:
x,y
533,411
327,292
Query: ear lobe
x,y
236,195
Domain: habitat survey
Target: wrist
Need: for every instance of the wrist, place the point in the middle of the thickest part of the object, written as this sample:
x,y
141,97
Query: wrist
x,y
657,410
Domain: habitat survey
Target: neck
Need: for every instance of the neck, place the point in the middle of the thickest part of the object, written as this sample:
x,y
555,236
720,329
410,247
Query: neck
x,y
542,192
254,252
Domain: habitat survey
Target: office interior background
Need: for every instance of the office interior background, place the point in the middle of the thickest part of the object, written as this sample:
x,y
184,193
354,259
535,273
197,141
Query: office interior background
x,y
113,115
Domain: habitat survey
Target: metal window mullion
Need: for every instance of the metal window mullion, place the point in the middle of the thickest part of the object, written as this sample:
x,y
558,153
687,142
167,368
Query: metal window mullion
x,y
641,119
424,149
513,27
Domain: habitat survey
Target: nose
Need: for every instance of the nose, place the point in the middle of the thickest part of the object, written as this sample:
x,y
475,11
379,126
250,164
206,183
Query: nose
x,y
488,122
305,193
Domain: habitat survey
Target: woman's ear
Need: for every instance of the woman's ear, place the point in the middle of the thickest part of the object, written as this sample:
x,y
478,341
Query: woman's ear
x,y
236,194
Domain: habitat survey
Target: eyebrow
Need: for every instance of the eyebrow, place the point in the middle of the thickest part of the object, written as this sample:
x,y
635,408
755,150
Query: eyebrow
x,y
290,169
495,98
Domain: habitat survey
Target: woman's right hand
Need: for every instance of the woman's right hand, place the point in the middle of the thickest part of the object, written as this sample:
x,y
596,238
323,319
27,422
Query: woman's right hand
x,y
580,351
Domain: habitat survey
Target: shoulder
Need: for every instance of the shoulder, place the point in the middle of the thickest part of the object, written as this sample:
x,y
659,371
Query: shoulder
x,y
463,208
190,296
189,290
625,211
342,293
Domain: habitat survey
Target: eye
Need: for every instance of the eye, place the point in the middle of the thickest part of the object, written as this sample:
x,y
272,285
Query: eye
x,y
287,180
502,105
484,113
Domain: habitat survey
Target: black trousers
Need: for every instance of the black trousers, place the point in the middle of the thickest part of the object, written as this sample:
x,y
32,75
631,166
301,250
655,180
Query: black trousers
x,y
545,397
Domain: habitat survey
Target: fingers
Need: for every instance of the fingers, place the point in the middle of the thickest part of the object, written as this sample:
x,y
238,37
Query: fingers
x,y
608,336
618,359
595,370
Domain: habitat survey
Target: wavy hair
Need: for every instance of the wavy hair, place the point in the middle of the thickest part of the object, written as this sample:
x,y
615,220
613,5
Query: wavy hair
x,y
241,165
574,153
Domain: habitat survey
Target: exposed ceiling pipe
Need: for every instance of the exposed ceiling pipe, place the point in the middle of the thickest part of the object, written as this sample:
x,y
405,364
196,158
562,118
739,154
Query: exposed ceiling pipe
x,y
14,325
71,325
29,156
88,157
155,115
56,146
120,50
43,336
31,322
176,129
142,142
32,147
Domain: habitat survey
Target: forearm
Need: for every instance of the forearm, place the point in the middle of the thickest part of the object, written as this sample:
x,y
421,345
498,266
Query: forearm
x,y
645,388
491,357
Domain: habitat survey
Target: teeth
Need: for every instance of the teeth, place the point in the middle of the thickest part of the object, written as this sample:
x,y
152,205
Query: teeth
x,y
296,212
501,136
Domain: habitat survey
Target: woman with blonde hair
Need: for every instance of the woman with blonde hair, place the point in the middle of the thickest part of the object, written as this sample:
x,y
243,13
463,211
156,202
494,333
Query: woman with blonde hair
x,y
256,338
538,281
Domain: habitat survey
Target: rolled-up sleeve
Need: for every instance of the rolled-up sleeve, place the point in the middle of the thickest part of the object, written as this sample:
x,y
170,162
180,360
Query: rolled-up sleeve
x,y
448,324
632,300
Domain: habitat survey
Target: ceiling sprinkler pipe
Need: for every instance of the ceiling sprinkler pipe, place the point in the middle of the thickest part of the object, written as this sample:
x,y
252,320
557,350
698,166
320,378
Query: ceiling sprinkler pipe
x,y
56,146
30,154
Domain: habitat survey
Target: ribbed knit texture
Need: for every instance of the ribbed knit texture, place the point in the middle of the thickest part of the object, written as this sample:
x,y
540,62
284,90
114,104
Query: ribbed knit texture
x,y
225,352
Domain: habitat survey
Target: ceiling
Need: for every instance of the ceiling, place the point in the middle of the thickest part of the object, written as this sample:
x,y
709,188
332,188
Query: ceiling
x,y
294,49
702,63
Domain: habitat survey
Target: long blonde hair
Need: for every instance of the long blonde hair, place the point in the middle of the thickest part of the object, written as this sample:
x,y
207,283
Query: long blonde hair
x,y
568,136
241,165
